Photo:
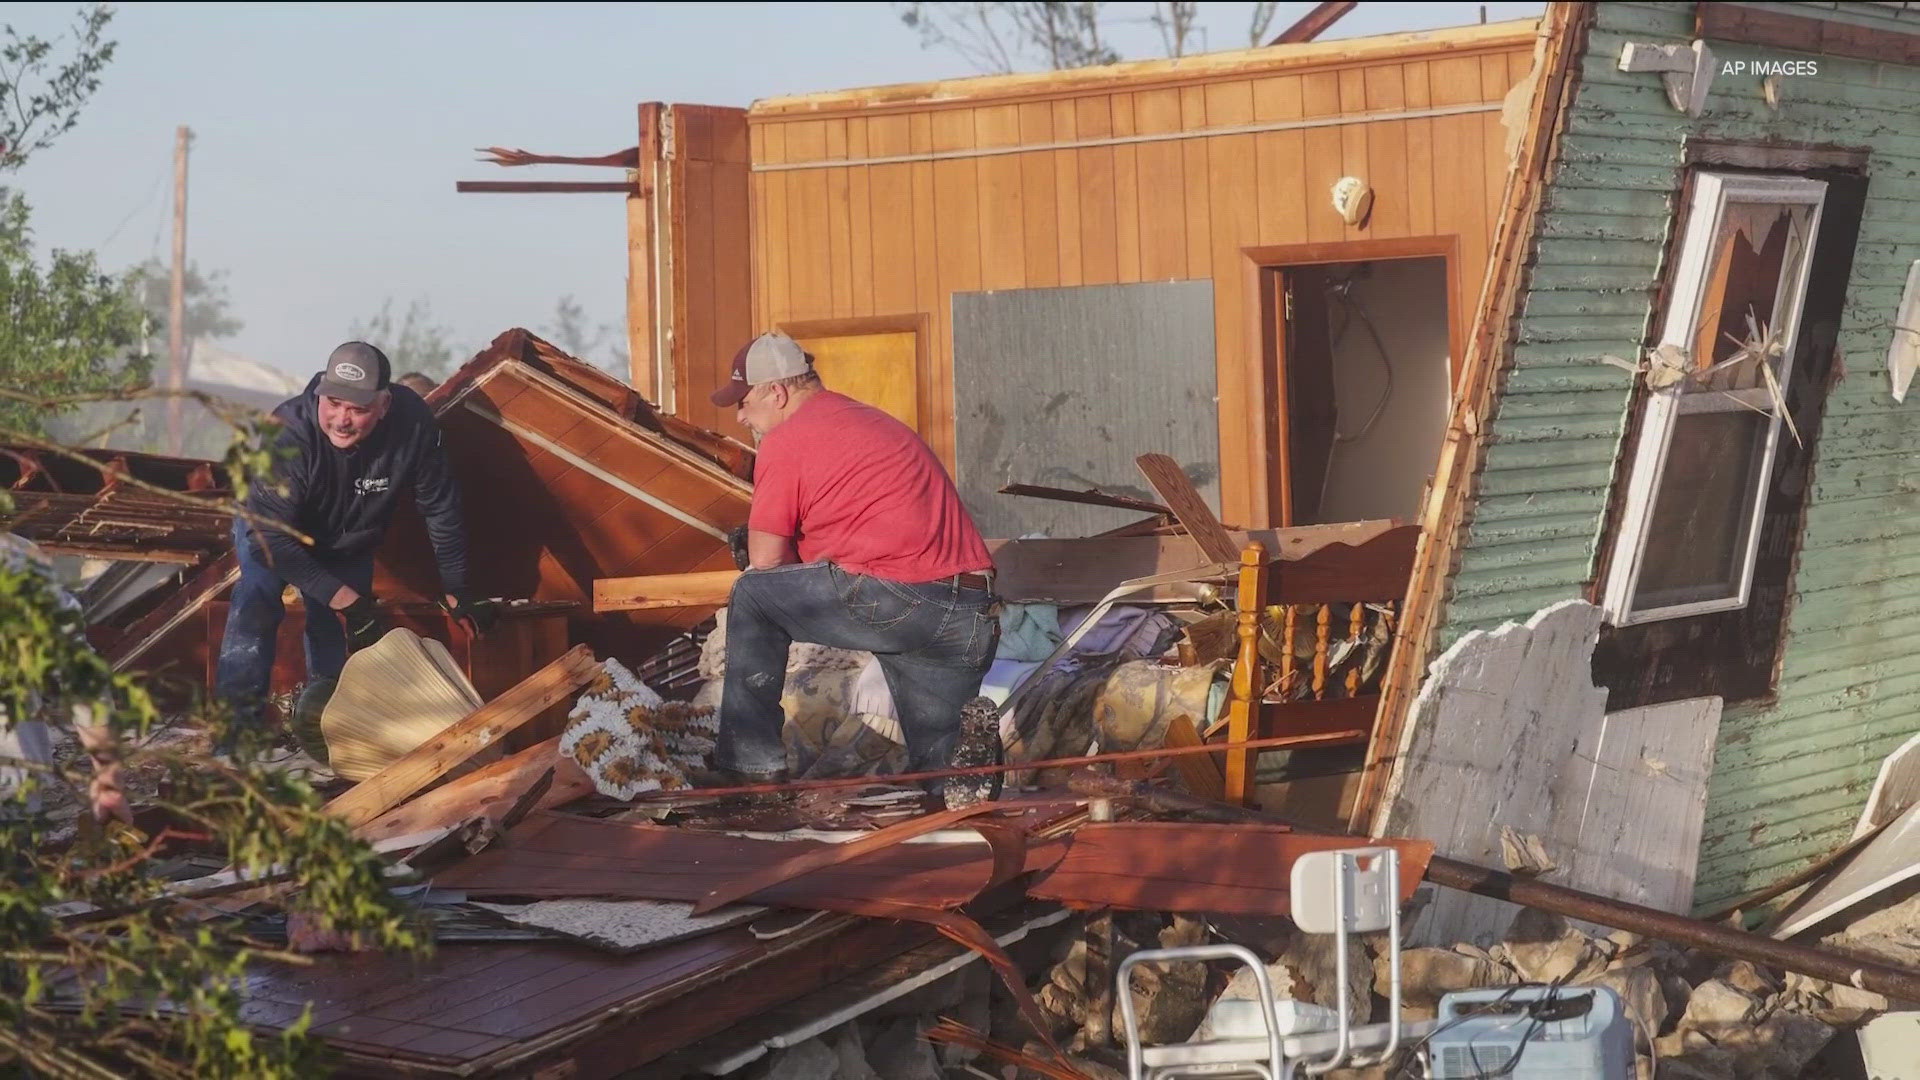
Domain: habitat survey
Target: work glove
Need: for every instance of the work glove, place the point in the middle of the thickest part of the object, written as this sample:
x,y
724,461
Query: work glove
x,y
478,616
365,624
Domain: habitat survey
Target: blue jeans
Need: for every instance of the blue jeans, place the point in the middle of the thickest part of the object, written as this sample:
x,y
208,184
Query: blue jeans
x,y
244,675
934,642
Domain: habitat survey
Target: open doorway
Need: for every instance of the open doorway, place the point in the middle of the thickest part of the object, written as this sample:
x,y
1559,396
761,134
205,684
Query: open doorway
x,y
1362,360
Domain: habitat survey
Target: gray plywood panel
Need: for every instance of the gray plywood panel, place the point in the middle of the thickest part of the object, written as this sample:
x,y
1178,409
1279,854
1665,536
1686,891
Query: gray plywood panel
x,y
1065,387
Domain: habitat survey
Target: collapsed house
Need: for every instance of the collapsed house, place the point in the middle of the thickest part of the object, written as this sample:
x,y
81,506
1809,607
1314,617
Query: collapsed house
x,y
1598,534
982,257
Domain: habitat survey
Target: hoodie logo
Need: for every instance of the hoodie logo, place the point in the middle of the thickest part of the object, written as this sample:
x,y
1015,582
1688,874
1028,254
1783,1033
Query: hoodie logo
x,y
370,485
349,372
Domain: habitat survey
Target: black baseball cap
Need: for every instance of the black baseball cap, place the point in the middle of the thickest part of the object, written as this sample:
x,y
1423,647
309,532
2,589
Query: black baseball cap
x,y
356,373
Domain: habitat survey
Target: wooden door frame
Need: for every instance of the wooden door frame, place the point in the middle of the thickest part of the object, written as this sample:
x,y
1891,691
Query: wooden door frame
x,y
1266,390
919,324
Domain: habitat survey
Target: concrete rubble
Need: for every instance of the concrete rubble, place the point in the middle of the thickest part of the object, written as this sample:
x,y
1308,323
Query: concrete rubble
x,y
1697,1018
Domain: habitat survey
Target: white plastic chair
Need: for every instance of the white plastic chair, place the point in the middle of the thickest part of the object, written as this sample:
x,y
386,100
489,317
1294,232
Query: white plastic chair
x,y
1346,892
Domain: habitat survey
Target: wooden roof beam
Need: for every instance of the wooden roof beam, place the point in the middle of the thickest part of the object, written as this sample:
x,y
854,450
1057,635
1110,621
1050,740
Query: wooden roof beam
x,y
543,187
1315,22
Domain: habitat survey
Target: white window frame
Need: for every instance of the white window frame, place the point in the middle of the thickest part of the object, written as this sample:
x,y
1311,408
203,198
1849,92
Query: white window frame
x,y
1664,406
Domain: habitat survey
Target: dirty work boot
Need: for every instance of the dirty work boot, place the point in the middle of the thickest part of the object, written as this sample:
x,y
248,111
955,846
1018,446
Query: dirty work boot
x,y
979,744
305,720
759,802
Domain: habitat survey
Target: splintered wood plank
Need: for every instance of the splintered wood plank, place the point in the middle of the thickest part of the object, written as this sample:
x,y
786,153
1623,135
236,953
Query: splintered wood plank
x,y
1162,194
706,588
1175,866
1167,478
486,790
1320,93
1002,209
1099,236
820,858
1040,239
1281,161
1387,151
482,728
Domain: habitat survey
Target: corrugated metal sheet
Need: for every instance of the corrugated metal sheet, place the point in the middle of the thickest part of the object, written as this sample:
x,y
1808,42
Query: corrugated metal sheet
x,y
1065,387
1790,776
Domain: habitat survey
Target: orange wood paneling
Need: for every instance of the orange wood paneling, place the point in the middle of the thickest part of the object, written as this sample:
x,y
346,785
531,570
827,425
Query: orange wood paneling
x,y
1126,190
1099,199
1003,258
716,259
1281,160
1162,188
1195,190
1040,199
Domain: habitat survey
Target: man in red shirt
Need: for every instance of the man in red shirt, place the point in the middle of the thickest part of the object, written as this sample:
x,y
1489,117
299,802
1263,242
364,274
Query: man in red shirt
x,y
856,540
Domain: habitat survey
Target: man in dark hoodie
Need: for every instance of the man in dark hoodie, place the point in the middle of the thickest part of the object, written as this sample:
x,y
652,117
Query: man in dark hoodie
x,y
349,445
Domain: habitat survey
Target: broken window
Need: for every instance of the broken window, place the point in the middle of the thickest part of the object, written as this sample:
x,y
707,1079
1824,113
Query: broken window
x,y
1715,412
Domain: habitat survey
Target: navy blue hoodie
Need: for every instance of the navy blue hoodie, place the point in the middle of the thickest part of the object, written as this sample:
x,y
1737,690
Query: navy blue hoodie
x,y
344,499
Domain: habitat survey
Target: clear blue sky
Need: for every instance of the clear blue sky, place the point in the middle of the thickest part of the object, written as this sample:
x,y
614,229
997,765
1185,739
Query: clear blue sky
x,y
329,137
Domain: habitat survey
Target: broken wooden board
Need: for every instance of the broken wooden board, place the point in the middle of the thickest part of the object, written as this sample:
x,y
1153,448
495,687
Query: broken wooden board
x,y
485,727
704,588
1200,773
555,856
1894,790
1188,507
490,790
1082,571
1511,747
1188,867
1881,863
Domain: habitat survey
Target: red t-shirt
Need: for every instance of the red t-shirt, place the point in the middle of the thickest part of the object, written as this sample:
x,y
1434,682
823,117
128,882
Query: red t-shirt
x,y
856,487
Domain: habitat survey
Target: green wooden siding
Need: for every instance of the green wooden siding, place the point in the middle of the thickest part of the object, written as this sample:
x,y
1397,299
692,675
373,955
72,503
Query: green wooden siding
x,y
1790,776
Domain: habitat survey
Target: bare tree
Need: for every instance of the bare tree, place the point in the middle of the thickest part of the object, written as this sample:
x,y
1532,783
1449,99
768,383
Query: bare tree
x,y
1261,22
998,37
1176,19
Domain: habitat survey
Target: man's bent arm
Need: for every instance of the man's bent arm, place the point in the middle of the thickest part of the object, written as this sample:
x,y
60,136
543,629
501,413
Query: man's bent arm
x,y
437,494
767,550
289,558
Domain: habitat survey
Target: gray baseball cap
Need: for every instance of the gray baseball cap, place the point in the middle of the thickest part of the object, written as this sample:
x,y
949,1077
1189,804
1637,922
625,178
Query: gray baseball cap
x,y
356,372
770,356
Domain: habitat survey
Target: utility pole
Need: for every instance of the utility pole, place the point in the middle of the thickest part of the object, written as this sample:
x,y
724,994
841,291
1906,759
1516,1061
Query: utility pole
x,y
177,302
